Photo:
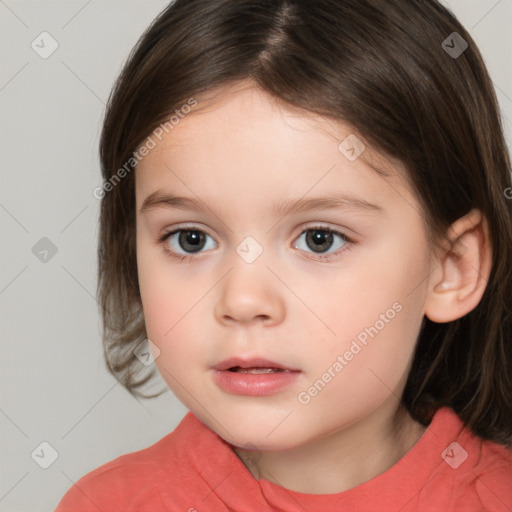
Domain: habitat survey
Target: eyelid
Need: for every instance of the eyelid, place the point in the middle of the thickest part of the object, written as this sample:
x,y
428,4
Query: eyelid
x,y
325,226
183,227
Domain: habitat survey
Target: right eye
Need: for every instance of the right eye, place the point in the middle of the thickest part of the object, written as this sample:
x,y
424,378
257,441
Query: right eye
x,y
190,241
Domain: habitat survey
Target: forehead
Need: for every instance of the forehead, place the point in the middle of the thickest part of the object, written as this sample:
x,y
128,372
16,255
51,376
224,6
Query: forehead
x,y
242,138
228,111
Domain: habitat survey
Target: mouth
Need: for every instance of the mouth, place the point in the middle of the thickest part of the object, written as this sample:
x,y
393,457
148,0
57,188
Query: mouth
x,y
256,370
254,377
253,365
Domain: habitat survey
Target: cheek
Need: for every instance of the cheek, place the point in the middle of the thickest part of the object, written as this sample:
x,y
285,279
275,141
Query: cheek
x,y
357,376
379,309
163,306
171,317
372,291
173,310
165,294
172,325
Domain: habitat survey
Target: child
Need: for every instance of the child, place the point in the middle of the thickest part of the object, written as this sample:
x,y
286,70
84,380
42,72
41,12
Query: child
x,y
306,209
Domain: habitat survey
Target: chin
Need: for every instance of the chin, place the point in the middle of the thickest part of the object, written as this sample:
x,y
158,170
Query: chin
x,y
254,432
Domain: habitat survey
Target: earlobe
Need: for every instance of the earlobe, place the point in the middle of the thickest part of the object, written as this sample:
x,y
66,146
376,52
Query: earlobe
x,y
463,270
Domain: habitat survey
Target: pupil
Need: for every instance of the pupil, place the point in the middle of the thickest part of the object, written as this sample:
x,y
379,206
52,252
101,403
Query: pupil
x,y
321,240
191,241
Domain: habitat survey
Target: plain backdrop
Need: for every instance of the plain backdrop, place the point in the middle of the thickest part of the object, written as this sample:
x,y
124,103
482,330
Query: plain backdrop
x,y
55,388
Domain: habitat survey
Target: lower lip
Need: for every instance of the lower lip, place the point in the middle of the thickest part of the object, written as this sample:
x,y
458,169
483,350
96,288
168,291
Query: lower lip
x,y
254,384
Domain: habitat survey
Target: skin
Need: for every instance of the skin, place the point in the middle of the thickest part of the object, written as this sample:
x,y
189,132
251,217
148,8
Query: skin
x,y
240,154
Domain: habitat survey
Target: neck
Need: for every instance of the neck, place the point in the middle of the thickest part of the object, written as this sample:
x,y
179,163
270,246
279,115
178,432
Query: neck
x,y
343,459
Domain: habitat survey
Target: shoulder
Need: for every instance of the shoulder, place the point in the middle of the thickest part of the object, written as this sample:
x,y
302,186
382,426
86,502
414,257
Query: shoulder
x,y
493,477
465,472
118,482
487,481
128,481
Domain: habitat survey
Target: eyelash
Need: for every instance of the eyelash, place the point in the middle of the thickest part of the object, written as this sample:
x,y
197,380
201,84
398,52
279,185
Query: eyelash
x,y
348,242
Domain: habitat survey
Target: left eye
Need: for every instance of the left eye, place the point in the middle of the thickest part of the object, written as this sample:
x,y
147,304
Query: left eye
x,y
321,239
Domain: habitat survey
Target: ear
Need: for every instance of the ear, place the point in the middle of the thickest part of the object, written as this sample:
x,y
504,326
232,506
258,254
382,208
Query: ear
x,y
463,268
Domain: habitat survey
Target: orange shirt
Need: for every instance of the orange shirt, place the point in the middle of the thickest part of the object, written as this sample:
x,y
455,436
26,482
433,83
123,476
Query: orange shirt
x,y
194,470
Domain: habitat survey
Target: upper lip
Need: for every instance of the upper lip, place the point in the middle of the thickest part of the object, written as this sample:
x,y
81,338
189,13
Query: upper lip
x,y
255,362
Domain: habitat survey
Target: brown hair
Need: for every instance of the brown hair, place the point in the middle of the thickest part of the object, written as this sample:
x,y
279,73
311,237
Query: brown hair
x,y
383,68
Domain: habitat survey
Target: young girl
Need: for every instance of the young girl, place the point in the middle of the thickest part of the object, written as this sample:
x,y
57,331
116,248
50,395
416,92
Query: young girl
x,y
306,211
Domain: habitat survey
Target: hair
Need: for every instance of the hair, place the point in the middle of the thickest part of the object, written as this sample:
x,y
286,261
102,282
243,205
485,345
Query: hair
x,y
380,67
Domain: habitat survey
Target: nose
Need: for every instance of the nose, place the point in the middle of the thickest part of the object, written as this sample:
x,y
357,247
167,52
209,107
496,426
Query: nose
x,y
250,293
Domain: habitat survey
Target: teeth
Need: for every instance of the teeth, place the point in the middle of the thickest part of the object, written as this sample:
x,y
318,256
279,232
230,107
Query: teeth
x,y
256,370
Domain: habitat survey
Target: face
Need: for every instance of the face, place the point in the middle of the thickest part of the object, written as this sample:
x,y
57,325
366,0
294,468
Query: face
x,y
278,326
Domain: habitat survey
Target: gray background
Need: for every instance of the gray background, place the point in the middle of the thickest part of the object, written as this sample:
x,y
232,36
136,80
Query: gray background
x,y
54,384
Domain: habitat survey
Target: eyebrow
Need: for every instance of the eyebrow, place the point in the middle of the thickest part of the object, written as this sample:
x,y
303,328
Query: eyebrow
x,y
161,199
